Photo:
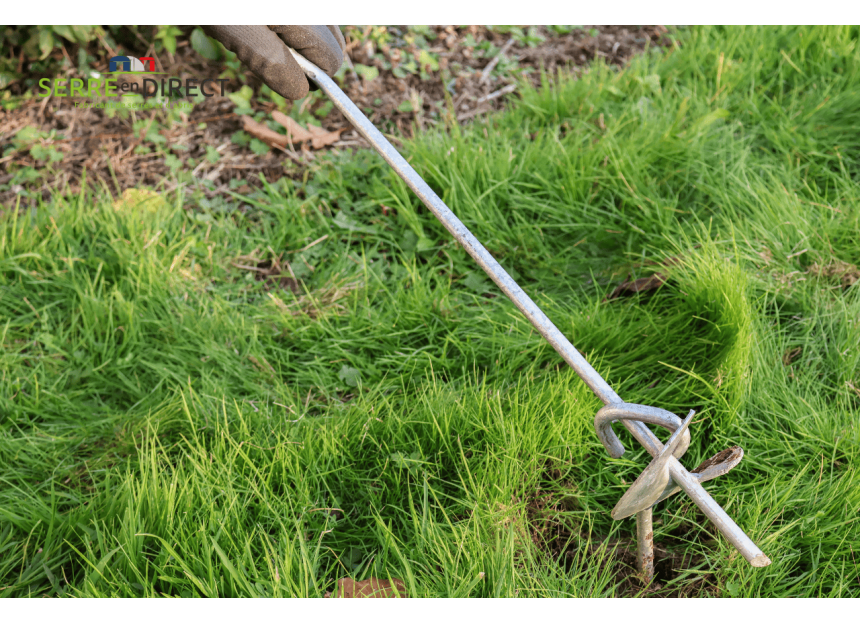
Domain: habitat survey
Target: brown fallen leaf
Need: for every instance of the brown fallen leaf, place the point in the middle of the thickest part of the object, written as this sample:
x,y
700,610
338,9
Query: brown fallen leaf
x,y
643,284
263,132
296,133
322,137
319,137
368,588
726,455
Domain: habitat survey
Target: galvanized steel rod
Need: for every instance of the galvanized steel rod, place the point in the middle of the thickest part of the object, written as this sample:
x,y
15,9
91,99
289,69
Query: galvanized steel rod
x,y
459,231
528,307
731,531
645,544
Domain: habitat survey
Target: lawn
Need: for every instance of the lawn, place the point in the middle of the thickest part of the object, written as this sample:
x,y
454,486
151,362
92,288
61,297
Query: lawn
x,y
313,381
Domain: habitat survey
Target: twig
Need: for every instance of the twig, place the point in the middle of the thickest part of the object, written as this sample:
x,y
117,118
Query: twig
x,y
248,268
349,143
309,245
482,100
486,73
472,113
105,43
44,104
293,275
66,54
498,93
214,173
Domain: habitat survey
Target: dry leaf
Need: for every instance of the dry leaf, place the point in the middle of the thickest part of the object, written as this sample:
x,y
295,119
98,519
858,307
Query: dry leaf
x,y
296,133
322,137
368,588
319,137
263,132
643,284
725,456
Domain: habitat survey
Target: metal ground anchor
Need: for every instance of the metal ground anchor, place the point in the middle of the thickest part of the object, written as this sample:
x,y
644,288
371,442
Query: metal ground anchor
x,y
633,417
656,483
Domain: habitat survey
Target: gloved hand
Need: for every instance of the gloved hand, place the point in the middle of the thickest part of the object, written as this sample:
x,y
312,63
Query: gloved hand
x,y
263,50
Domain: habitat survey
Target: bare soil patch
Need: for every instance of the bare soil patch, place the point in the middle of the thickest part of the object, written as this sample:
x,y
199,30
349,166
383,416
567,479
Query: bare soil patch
x,y
474,71
550,532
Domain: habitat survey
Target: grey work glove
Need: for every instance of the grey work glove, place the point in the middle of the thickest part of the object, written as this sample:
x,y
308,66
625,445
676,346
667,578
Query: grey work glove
x,y
264,50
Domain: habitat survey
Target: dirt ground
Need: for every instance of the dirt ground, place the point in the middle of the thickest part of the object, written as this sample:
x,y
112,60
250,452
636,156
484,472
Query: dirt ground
x,y
557,538
116,151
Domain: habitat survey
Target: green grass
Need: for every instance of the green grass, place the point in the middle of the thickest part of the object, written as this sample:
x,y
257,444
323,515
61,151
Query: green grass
x,y
171,425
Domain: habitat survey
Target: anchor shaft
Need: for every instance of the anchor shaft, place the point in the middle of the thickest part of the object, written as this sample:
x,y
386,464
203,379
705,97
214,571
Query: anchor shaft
x,y
645,543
